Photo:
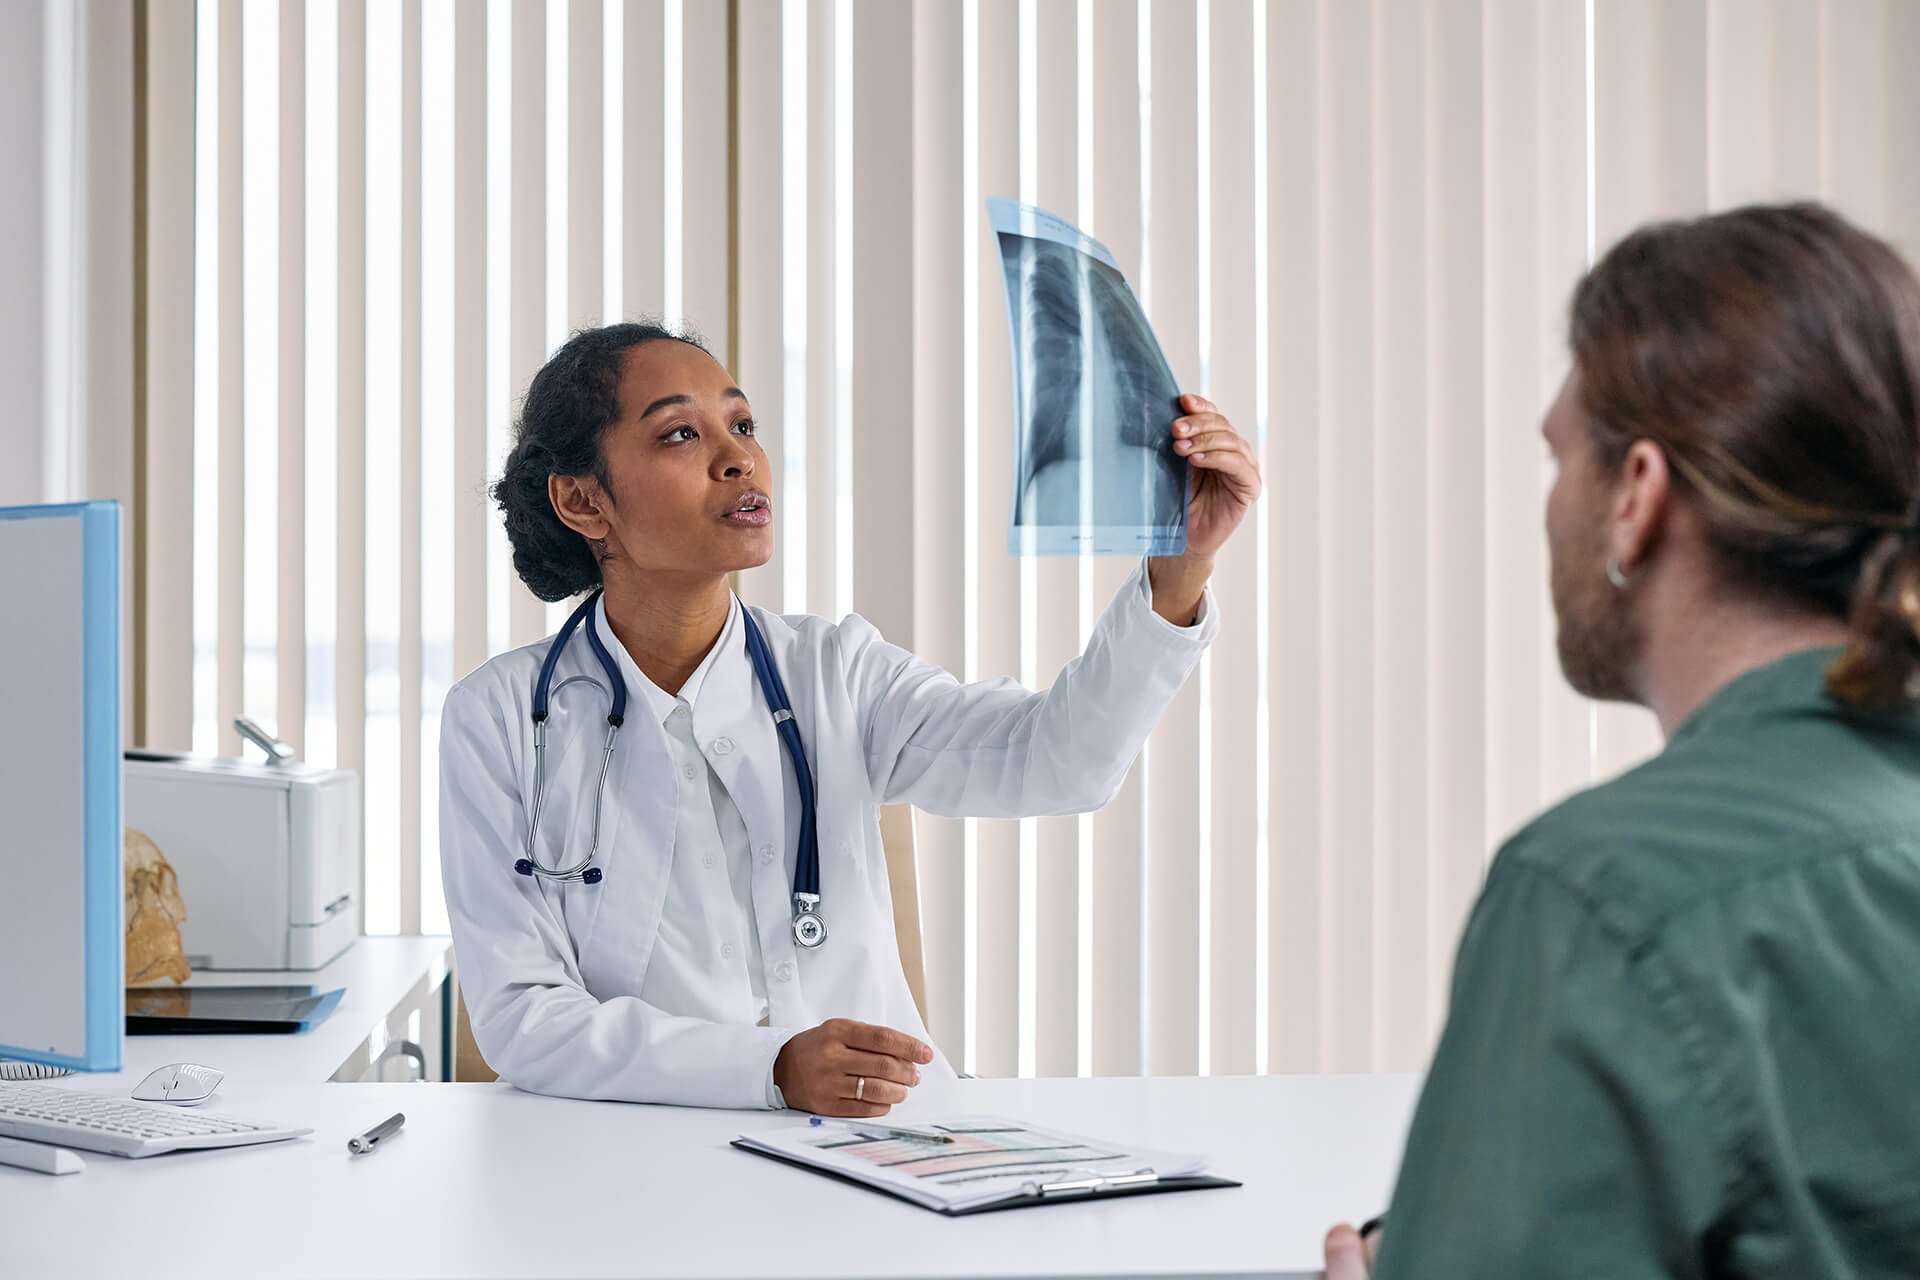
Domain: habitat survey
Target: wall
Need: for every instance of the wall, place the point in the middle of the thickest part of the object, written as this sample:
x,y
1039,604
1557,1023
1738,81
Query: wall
x,y
22,249
67,262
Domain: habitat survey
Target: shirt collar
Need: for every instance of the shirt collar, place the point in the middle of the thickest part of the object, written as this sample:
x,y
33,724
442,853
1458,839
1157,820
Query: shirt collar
x,y
658,700
1796,682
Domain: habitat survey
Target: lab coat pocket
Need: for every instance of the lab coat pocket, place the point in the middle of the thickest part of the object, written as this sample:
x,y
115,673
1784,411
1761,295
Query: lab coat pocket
x,y
621,928
619,918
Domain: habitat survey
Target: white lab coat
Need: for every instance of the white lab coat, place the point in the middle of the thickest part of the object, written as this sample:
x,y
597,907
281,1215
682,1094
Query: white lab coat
x,y
552,972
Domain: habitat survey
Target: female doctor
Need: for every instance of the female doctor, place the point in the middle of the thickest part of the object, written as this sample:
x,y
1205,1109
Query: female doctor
x,y
660,829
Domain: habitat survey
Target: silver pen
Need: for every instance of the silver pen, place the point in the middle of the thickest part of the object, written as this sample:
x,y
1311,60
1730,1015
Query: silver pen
x,y
866,1130
895,1131
385,1129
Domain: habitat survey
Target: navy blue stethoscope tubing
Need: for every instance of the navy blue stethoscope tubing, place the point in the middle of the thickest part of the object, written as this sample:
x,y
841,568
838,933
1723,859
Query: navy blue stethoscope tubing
x,y
806,872
806,867
618,715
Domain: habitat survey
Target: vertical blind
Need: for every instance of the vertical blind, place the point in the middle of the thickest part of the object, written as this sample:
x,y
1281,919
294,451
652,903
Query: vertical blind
x,y
1354,225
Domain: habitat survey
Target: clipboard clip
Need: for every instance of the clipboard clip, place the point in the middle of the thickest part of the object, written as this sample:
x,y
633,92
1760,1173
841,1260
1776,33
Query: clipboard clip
x,y
1095,1183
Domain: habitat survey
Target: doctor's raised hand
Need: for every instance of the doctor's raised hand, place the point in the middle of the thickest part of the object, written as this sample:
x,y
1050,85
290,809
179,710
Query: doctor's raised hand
x,y
660,826
1226,482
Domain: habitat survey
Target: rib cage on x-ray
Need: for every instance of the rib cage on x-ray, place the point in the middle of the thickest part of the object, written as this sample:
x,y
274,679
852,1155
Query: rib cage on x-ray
x,y
1096,396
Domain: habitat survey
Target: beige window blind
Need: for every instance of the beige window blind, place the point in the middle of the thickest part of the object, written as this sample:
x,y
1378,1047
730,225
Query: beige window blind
x,y
1355,225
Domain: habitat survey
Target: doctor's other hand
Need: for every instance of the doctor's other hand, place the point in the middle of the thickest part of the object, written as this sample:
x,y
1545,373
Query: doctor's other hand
x,y
847,1068
1350,1255
1226,475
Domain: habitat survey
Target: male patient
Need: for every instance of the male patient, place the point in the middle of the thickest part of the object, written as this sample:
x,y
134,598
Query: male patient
x,y
1685,1026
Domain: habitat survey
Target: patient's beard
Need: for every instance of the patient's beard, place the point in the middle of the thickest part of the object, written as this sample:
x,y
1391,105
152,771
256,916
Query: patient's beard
x,y
1599,640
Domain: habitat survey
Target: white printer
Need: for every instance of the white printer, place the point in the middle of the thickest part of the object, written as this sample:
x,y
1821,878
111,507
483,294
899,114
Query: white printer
x,y
267,855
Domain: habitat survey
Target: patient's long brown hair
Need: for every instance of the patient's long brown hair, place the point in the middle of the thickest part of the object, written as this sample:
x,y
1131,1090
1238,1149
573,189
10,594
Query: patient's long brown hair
x,y
1773,353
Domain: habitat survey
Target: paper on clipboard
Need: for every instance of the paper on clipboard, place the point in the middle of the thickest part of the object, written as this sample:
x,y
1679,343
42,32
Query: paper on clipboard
x,y
990,1160
1095,470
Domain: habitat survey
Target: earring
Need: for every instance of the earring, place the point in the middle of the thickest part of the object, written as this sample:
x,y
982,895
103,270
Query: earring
x,y
1615,575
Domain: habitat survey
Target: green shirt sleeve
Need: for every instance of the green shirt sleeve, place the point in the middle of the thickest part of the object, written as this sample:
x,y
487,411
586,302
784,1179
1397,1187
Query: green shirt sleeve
x,y
1567,1128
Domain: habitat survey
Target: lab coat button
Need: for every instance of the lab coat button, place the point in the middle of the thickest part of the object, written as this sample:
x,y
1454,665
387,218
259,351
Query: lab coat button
x,y
722,746
689,772
726,951
783,972
766,855
707,860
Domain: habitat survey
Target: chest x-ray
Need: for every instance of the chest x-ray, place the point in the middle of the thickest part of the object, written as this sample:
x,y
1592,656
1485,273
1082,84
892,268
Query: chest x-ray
x,y
1095,470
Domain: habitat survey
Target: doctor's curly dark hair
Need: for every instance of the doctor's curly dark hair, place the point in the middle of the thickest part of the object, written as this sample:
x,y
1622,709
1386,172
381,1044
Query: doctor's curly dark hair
x,y
574,397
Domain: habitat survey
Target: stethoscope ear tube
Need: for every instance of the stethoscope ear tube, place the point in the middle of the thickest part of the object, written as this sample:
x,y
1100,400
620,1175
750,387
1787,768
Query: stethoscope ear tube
x,y
584,871
618,715
545,683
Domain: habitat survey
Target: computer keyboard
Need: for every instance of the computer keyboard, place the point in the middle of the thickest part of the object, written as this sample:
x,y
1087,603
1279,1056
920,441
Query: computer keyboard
x,y
69,1117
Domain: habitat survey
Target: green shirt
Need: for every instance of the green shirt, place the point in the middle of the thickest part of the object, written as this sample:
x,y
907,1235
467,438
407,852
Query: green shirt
x,y
1685,1027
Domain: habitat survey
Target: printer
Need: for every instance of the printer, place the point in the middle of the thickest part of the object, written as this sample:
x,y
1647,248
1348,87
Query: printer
x,y
267,855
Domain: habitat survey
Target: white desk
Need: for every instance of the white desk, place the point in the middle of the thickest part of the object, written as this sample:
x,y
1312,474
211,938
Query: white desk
x,y
486,1180
381,976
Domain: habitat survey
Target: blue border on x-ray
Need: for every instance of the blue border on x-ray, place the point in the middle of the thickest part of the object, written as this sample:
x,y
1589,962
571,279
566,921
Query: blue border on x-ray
x,y
101,874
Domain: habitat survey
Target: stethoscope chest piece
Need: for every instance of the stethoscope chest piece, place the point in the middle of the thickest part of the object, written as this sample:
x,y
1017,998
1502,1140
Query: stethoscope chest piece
x,y
809,930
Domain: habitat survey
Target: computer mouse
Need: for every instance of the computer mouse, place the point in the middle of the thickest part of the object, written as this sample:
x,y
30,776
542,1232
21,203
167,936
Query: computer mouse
x,y
184,1083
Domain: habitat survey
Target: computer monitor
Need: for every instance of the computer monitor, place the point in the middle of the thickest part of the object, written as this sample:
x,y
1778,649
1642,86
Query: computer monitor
x,y
62,949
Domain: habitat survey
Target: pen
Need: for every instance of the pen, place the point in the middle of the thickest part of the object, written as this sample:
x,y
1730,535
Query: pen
x,y
893,1131
385,1129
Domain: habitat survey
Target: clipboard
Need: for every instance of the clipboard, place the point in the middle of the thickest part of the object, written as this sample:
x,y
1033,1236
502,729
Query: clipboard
x,y
1064,1192
961,1166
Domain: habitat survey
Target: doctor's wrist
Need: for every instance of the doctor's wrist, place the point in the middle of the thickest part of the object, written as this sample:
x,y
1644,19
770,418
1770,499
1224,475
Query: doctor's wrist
x,y
1178,583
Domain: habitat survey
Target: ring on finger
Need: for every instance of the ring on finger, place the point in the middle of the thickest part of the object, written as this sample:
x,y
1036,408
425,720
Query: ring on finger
x,y
860,1089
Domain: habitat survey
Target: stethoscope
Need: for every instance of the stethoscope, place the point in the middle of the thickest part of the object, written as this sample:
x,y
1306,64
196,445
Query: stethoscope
x,y
809,929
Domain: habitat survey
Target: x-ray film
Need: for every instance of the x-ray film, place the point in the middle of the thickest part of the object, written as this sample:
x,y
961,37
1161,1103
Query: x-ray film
x,y
1095,470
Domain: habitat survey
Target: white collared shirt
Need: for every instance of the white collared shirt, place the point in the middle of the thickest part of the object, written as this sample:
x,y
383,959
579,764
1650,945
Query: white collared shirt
x,y
708,960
